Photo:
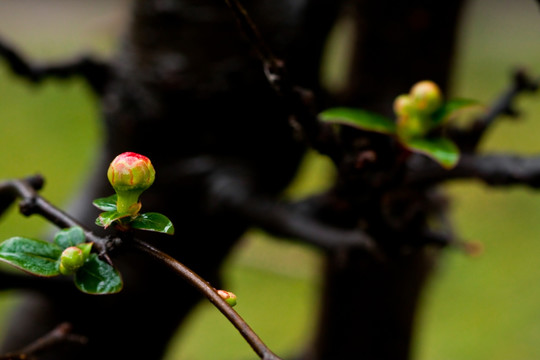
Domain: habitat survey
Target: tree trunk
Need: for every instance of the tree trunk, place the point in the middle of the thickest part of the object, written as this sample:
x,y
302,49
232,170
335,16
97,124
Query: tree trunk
x,y
369,306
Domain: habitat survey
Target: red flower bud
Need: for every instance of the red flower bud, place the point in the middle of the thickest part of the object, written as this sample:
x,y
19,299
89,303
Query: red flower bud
x,y
130,174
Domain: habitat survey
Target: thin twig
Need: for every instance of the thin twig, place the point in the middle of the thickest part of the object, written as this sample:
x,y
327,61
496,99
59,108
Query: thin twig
x,y
301,102
95,72
207,290
59,335
469,139
32,203
252,33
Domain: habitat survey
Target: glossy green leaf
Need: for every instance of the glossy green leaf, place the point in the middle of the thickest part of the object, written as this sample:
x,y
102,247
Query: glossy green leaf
x,y
34,256
444,151
153,222
97,277
69,237
359,119
105,219
106,203
451,108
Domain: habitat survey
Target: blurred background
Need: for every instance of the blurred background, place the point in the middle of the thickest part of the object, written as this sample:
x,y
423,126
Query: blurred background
x,y
486,307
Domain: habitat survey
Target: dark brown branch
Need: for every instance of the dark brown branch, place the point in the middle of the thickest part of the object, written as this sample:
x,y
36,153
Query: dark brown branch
x,y
229,192
252,33
281,220
494,170
207,290
8,197
522,82
31,203
95,72
300,102
59,336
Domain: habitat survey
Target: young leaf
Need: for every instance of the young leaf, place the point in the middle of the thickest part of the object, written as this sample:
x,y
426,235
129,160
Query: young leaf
x,y
69,237
105,219
97,277
153,222
444,151
451,108
106,203
359,119
34,256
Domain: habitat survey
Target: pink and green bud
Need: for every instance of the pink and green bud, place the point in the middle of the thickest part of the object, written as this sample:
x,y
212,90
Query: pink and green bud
x,y
71,260
426,97
130,174
228,296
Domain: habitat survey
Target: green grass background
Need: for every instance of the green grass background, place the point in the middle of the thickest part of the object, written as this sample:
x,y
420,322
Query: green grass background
x,y
475,308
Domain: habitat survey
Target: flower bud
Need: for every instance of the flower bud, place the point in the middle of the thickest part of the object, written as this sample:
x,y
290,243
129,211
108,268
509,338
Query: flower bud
x,y
412,126
130,174
403,105
228,296
71,260
426,97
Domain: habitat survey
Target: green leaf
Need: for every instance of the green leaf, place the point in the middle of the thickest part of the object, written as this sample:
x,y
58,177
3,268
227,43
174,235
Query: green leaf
x,y
97,277
444,151
69,237
86,248
105,219
451,108
34,256
106,203
153,222
359,119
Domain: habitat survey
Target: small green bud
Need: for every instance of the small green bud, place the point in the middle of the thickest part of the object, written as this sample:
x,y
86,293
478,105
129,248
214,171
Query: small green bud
x,y
426,97
403,105
411,126
71,260
130,174
228,296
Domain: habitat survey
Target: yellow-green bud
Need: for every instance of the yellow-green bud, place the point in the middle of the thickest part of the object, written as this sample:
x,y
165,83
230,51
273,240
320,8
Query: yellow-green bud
x,y
426,97
71,260
403,105
228,296
130,174
411,126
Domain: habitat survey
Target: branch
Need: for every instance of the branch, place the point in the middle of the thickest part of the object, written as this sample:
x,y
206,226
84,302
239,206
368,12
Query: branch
x,y
494,170
8,197
207,290
229,189
31,203
95,72
58,336
300,102
522,82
